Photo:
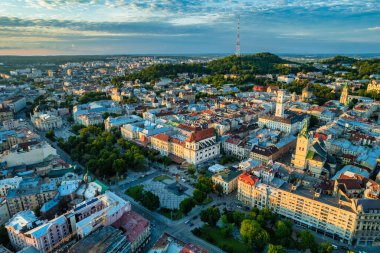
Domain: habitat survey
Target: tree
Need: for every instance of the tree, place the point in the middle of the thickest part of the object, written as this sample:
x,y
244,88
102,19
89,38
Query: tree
x,y
238,217
186,205
204,184
325,247
253,234
211,215
218,188
191,170
262,238
50,135
283,229
150,200
261,220
136,192
306,240
119,166
275,249
199,196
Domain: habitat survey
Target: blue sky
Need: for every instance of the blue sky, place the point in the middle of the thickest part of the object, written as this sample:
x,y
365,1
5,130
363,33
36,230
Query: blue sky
x,y
42,27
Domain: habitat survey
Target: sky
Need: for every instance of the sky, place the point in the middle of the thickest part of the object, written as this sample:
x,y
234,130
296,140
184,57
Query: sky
x,y
79,27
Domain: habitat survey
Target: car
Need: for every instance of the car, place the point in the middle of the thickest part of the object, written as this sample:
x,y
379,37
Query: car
x,y
334,246
187,221
195,217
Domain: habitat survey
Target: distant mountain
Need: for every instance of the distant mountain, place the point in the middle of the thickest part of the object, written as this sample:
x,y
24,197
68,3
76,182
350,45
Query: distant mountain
x,y
261,63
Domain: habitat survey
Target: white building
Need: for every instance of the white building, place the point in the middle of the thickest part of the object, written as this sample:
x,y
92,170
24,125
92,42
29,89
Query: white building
x,y
27,153
46,121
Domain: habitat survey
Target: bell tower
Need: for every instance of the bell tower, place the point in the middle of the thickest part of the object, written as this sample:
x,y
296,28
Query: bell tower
x,y
280,103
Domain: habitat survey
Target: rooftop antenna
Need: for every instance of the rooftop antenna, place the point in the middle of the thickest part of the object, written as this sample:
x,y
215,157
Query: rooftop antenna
x,y
237,52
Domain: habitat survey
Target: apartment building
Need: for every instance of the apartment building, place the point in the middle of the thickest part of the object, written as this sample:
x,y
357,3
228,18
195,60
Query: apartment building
x,y
29,198
25,229
5,114
337,216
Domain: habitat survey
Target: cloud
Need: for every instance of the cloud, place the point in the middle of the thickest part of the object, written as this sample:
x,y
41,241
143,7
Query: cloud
x,y
182,26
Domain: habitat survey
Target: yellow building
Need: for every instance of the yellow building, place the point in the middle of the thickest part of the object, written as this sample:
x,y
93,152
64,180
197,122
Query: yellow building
x,y
374,86
338,217
228,179
29,199
344,96
302,148
198,147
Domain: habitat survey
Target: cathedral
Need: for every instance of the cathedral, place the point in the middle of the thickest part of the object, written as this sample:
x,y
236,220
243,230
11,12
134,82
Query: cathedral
x,y
311,155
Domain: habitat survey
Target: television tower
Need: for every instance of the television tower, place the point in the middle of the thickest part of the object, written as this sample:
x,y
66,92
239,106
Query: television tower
x,y
237,52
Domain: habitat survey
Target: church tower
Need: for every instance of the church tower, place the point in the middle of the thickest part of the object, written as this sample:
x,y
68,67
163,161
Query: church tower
x,y
280,103
302,147
344,96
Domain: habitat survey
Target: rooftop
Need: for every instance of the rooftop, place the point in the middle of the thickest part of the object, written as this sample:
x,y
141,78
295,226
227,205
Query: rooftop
x,y
132,224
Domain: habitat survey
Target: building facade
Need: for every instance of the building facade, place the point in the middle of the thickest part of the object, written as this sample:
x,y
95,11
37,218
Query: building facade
x,y
227,179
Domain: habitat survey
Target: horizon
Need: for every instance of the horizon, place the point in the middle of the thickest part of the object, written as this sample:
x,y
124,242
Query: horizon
x,y
291,55
162,27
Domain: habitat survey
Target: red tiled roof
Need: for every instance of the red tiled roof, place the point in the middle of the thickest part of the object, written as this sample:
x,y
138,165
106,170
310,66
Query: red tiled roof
x,y
187,127
201,135
247,178
162,137
320,135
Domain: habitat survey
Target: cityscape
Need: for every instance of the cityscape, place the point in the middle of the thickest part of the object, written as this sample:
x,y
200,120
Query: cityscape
x,y
189,126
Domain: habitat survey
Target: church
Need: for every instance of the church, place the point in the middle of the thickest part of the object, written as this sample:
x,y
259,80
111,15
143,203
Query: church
x,y
289,123
311,155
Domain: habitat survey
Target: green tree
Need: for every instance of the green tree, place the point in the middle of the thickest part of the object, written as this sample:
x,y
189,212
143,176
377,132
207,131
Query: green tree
x,y
325,247
204,184
199,196
191,170
150,200
136,192
186,205
306,240
238,217
275,249
50,135
119,166
283,229
218,188
211,215
250,230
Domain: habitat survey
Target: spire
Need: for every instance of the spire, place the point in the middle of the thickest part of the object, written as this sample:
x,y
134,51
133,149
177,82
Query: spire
x,y
305,131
